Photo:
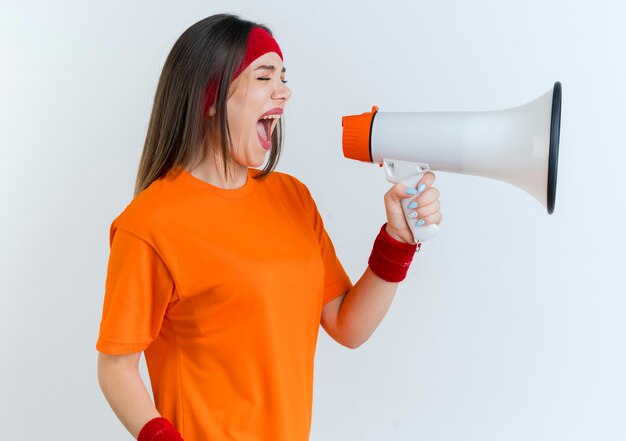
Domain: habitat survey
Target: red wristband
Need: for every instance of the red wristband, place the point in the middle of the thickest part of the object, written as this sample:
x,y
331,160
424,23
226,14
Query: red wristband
x,y
390,259
159,429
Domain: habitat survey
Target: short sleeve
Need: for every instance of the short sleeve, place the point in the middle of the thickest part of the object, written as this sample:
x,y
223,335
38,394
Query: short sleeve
x,y
336,280
138,290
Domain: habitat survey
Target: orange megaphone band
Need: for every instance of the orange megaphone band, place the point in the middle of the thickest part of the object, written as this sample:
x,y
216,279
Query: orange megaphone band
x,y
356,138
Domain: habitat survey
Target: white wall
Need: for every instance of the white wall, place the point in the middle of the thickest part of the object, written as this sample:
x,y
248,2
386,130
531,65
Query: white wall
x,y
510,325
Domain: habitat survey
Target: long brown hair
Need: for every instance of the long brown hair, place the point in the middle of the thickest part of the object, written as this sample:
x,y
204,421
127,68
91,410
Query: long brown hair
x,y
212,48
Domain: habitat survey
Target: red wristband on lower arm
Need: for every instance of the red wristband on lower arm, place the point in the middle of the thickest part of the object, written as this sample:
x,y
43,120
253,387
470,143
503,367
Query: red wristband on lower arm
x,y
159,429
390,258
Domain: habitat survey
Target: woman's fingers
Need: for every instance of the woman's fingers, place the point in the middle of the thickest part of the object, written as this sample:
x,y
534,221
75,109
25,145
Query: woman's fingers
x,y
428,196
428,179
426,212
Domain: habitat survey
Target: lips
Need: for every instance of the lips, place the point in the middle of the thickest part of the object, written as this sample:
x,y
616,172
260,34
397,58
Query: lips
x,y
265,126
274,111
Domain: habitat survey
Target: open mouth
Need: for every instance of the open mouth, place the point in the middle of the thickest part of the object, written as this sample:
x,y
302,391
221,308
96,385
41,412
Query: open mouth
x,y
264,127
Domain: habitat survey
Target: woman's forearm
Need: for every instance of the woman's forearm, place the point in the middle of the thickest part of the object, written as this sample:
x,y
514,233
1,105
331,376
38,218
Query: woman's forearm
x,y
364,307
125,392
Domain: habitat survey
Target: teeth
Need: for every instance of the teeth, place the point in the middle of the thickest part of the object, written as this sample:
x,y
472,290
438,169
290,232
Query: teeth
x,y
270,117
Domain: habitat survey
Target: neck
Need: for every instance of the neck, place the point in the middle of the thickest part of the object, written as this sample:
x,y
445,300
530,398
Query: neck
x,y
212,172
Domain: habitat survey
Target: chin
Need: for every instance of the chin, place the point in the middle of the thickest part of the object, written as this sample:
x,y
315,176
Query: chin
x,y
258,164
253,162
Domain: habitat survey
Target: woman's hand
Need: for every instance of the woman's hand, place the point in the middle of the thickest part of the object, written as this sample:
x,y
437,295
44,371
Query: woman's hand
x,y
427,208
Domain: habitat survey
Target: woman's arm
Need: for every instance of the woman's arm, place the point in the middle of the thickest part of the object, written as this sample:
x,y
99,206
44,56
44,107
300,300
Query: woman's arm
x,y
353,317
119,379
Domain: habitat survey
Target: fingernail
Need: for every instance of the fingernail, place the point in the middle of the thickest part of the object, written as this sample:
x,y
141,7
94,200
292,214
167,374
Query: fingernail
x,y
411,191
412,205
421,188
420,222
413,214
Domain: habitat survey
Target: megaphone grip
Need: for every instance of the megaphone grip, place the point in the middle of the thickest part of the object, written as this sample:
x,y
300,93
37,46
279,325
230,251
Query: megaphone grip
x,y
406,174
422,233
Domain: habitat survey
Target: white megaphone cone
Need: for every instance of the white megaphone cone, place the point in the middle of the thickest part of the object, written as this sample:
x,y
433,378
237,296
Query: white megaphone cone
x,y
518,145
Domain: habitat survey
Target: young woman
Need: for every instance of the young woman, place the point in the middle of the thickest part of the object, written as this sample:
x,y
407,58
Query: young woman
x,y
222,273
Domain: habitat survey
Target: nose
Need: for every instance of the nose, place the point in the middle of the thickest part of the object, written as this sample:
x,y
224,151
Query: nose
x,y
281,92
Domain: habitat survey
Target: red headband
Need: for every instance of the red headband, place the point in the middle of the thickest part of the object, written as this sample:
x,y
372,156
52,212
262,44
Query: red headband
x,y
260,42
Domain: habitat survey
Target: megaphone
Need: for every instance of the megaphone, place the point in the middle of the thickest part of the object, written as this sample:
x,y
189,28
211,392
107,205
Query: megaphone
x,y
519,145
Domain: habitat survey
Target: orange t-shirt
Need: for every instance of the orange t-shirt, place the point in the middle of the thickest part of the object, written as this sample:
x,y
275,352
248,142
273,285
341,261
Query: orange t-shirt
x,y
223,290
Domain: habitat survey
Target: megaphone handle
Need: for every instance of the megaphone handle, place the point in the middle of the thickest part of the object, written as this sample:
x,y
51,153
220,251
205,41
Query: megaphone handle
x,y
421,233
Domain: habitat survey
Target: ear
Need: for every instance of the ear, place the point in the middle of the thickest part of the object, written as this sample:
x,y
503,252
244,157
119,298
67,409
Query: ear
x,y
211,111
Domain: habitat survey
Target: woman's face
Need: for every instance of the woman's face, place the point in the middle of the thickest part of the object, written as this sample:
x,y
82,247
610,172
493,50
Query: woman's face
x,y
259,90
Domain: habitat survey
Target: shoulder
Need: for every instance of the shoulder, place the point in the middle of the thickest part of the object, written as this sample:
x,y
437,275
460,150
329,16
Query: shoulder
x,y
143,212
286,182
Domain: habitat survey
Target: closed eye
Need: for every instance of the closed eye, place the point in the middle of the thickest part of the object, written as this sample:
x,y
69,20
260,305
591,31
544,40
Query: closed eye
x,y
266,79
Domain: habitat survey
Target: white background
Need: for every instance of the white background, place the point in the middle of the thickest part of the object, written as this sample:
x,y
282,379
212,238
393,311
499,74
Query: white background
x,y
510,325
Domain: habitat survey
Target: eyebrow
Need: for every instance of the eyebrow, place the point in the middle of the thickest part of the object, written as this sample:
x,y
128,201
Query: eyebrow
x,y
269,67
